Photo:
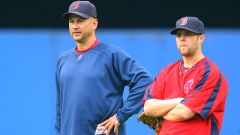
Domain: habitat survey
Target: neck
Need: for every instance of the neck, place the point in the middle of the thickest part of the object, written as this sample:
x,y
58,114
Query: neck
x,y
84,45
192,60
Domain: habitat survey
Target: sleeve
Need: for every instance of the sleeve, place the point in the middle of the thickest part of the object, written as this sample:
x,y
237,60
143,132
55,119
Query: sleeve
x,y
155,90
58,114
136,78
203,97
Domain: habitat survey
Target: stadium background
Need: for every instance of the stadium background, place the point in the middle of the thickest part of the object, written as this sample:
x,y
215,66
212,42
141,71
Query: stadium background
x,y
32,35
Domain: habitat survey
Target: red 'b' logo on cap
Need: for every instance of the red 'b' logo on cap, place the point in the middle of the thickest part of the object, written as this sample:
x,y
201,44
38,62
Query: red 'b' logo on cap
x,y
184,21
75,4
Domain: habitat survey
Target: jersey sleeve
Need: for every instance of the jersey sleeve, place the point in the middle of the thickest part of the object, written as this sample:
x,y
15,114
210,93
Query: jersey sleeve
x,y
154,91
136,78
207,94
58,115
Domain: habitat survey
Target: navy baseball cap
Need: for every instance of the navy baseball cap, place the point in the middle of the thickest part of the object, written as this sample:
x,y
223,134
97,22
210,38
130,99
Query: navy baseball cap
x,y
84,9
192,24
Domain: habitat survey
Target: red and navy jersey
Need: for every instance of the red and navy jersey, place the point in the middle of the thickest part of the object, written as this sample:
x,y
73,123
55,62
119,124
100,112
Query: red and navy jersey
x,y
204,89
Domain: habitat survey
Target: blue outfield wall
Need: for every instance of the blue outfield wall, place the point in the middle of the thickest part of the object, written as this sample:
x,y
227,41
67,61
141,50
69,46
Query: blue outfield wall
x,y
28,59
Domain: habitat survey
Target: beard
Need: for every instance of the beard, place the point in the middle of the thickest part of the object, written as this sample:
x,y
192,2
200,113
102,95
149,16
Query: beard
x,y
186,52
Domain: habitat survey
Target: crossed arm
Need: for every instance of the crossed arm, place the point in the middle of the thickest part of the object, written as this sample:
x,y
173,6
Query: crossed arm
x,y
170,109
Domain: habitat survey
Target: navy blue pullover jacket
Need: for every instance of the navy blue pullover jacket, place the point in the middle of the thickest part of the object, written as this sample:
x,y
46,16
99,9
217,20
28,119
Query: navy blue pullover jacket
x,y
90,89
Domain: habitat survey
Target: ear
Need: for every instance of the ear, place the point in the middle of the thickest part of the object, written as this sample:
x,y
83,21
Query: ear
x,y
202,37
95,24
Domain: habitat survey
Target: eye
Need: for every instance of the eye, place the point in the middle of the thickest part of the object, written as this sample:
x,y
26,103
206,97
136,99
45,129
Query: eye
x,y
177,35
71,21
80,20
189,34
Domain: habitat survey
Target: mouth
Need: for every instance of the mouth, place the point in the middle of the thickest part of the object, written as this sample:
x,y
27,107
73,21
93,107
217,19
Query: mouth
x,y
183,45
76,33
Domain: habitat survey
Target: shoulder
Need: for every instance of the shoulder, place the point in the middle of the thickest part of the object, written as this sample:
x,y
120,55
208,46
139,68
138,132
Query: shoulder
x,y
210,67
172,66
169,69
210,71
212,74
111,50
65,55
216,70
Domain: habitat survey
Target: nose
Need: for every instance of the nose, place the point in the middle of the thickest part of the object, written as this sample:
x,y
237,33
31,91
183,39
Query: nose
x,y
182,37
75,25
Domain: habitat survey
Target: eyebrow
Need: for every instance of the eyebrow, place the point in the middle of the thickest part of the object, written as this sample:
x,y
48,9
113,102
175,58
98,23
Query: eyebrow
x,y
76,16
185,32
79,18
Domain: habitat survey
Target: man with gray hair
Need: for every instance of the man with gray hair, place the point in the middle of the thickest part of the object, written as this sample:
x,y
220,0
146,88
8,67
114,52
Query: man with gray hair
x,y
90,80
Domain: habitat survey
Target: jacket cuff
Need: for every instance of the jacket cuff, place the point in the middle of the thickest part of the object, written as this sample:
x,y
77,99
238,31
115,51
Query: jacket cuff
x,y
121,118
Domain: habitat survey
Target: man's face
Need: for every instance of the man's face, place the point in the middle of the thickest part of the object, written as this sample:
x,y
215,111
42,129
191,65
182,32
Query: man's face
x,y
81,28
188,43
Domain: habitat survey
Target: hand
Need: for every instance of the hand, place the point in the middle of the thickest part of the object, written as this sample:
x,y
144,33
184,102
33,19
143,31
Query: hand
x,y
179,99
110,123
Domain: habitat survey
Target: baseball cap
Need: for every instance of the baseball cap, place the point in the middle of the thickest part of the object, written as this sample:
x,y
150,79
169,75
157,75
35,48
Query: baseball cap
x,y
84,9
192,24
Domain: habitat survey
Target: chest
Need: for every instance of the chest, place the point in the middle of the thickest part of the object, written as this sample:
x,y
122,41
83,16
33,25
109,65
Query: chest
x,y
180,84
84,67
